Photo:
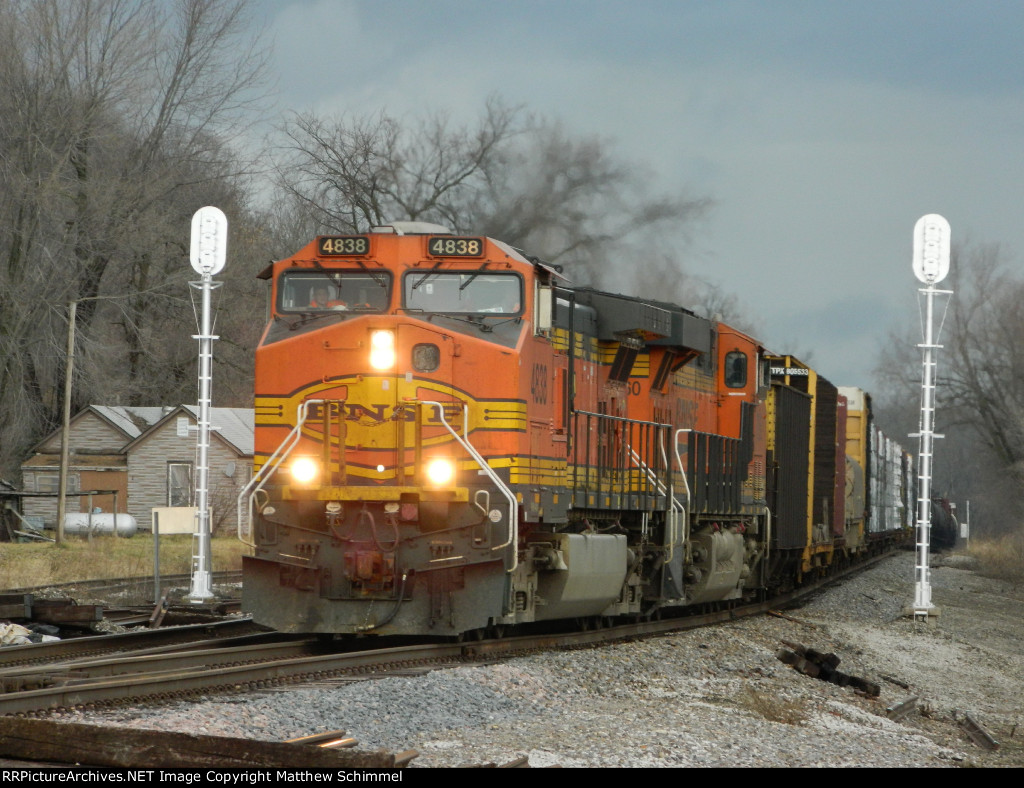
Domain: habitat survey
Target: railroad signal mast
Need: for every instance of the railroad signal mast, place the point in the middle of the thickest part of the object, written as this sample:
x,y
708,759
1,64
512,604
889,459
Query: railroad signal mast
x,y
931,264
208,255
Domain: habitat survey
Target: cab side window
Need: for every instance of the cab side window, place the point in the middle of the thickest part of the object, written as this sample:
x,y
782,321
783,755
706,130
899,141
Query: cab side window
x,y
735,369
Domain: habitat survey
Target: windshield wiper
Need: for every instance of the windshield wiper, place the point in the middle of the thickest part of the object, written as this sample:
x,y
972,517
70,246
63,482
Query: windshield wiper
x,y
427,275
472,276
309,317
513,319
473,320
379,278
338,278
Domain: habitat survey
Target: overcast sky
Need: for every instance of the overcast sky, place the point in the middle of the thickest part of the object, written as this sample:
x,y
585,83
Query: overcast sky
x,y
821,129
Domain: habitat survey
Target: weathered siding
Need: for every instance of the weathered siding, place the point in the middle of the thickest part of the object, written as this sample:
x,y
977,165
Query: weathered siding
x,y
88,435
80,477
147,474
106,457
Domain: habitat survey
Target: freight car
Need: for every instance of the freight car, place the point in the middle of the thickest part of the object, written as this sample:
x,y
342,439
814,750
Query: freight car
x,y
452,439
945,529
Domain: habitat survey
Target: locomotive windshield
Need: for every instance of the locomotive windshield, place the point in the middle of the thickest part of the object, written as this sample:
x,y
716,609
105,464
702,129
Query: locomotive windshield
x,y
335,291
462,292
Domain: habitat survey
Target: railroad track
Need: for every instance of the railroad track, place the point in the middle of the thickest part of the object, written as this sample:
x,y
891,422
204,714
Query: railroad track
x,y
71,611
265,662
112,586
253,662
172,615
134,641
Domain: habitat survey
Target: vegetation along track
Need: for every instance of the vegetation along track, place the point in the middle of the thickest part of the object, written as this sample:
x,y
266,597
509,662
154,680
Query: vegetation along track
x,y
110,587
252,662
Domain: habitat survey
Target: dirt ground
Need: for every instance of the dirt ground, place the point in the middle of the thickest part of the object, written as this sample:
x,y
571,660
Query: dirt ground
x,y
967,660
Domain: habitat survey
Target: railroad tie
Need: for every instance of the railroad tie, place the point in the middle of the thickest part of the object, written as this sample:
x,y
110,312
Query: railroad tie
x,y
820,665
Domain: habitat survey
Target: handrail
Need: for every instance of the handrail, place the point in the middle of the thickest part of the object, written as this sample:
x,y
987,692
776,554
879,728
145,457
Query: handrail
x,y
681,509
767,511
513,532
259,479
686,481
661,487
625,419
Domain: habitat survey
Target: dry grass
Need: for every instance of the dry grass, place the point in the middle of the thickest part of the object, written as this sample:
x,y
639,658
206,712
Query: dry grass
x,y
28,565
1000,557
774,709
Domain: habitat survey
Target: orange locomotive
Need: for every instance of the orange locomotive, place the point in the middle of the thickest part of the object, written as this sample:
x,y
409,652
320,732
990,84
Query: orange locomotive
x,y
450,439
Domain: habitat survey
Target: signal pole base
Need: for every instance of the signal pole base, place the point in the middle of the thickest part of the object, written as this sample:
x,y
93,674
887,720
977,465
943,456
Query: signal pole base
x,y
200,588
926,615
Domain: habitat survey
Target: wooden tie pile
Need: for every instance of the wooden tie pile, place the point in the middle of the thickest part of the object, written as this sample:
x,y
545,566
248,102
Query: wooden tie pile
x,y
823,666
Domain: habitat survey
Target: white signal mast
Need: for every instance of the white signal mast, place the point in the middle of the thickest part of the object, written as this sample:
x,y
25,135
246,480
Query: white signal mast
x,y
931,264
208,255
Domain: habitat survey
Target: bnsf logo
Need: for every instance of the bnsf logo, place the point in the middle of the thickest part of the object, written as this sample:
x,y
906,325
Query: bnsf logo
x,y
539,384
379,413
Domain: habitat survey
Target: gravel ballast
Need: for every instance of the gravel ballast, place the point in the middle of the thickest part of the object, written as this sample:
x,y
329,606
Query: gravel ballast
x,y
712,697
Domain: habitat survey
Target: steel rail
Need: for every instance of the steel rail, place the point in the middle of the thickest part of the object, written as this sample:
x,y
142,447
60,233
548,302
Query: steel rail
x,y
103,584
165,637
195,671
165,684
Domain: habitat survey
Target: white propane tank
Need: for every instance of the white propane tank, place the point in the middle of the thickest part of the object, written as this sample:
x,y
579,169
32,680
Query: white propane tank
x,y
102,523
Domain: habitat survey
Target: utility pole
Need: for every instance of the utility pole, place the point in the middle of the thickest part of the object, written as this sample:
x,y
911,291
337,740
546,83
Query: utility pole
x,y
65,430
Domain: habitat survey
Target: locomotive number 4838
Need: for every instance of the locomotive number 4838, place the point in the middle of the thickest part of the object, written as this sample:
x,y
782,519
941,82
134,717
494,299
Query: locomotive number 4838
x,y
447,246
344,245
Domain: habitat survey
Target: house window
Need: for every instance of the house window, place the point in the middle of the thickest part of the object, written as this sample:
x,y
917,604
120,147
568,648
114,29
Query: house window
x,y
50,482
179,484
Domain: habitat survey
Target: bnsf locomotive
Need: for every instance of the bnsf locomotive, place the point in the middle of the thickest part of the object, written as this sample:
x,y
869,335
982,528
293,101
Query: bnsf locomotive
x,y
451,438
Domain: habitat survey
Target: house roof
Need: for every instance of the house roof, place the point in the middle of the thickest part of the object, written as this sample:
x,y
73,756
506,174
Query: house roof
x,y
128,420
132,421
234,426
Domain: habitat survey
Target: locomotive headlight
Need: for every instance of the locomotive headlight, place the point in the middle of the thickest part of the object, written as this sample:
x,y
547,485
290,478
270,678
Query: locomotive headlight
x,y
382,349
440,471
305,470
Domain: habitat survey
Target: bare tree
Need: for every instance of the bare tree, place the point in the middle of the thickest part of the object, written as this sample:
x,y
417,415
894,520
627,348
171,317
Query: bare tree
x,y
573,202
116,118
352,172
980,389
567,200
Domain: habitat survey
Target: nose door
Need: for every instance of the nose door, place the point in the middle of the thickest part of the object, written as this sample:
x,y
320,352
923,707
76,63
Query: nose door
x,y
426,372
